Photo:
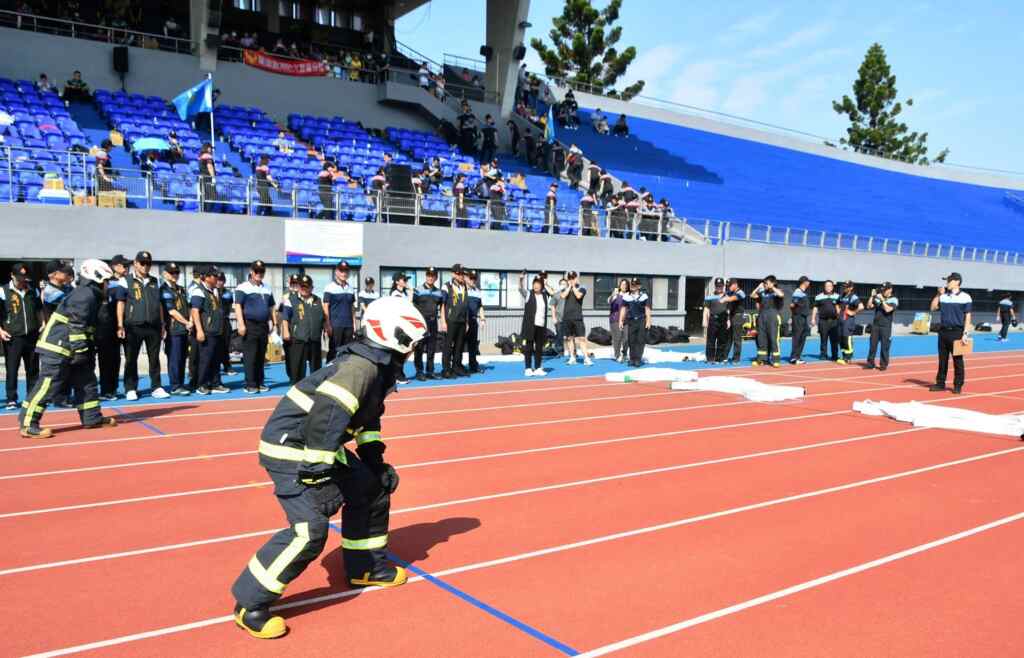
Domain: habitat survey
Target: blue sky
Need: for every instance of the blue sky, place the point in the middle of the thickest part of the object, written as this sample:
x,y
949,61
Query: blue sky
x,y
784,63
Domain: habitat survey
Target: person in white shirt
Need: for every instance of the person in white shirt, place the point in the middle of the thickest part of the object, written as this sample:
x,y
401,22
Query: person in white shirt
x,y
534,330
599,121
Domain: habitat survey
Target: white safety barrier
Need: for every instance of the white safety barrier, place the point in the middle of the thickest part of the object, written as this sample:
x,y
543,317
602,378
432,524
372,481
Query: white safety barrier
x,y
950,418
751,389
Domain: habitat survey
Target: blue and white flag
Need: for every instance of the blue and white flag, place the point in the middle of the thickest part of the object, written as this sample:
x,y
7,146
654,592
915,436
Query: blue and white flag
x,y
549,126
195,100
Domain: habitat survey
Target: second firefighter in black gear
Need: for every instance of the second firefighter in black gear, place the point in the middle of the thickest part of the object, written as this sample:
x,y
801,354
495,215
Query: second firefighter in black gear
x,y
826,316
849,306
800,311
716,319
769,321
67,354
734,299
302,447
428,299
884,303
303,328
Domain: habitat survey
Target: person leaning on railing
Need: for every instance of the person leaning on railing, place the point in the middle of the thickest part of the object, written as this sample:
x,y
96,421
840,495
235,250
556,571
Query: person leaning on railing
x,y
76,89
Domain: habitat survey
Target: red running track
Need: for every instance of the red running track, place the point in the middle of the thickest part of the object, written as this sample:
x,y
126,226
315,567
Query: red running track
x,y
466,501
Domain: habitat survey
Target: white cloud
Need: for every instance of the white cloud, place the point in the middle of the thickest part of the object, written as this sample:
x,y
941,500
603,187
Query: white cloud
x,y
654,65
749,26
697,84
802,37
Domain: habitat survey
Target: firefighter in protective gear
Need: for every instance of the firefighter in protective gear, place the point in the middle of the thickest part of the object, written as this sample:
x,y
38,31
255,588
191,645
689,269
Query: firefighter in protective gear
x,y
67,354
303,449
849,306
769,321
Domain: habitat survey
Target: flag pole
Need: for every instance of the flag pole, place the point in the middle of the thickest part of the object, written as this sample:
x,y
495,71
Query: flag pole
x,y
213,142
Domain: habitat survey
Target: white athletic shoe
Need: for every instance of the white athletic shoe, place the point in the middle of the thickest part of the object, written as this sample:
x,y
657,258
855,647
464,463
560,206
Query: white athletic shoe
x,y
618,359
159,393
528,373
540,372
571,361
131,395
587,361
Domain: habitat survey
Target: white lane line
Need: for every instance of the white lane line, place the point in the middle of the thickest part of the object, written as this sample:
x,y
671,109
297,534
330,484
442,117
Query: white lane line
x,y
875,387
134,409
796,589
168,630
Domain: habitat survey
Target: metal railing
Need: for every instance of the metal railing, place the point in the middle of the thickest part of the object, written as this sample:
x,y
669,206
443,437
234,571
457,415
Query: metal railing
x,y
106,33
22,176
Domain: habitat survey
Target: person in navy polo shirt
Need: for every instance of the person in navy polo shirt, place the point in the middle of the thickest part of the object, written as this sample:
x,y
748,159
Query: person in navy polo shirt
x,y
339,303
954,307
800,311
255,317
884,303
1007,315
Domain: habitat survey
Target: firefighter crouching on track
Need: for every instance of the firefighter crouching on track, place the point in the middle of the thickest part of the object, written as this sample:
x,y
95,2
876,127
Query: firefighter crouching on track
x,y
302,448
67,354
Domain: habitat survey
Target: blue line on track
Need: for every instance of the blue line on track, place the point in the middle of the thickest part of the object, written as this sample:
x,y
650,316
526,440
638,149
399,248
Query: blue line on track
x,y
477,603
152,428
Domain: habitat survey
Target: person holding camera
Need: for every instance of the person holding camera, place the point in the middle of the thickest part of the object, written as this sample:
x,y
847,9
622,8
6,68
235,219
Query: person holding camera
x,y
769,298
734,300
954,307
572,319
716,320
636,315
826,316
1007,315
616,302
885,304
800,310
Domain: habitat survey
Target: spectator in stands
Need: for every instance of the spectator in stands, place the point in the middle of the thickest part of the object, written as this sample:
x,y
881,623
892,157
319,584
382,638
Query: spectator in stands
x,y
439,88
293,51
513,136
325,188
621,129
434,172
599,121
556,159
459,194
355,71
208,176
282,143
530,146
43,84
175,152
264,181
571,109
550,207
588,218
497,196
667,215
490,139
534,330
615,210
417,182
424,76
76,89
574,166
248,40
171,28
280,48
104,178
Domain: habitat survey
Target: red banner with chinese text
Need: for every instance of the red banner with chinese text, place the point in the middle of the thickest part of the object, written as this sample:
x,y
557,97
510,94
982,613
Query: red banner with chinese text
x,y
283,65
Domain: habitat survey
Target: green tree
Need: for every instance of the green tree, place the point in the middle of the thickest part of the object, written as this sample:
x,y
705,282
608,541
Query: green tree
x,y
874,111
583,48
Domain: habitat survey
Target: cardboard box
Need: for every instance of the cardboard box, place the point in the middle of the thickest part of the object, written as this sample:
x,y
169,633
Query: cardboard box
x,y
960,348
112,199
275,353
116,138
922,323
53,184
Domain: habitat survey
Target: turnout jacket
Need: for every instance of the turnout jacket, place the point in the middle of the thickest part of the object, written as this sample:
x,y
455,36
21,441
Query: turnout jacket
x,y
70,329
342,401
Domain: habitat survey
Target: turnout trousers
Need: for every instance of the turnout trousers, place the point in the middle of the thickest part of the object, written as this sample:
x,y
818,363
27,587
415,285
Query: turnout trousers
x,y
947,337
426,348
18,350
769,330
736,327
637,341
828,332
800,332
846,327
716,346
254,352
881,337
56,374
364,534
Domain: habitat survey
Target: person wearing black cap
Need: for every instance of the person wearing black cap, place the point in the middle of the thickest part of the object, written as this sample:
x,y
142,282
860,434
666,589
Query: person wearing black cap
x,y
255,318
302,325
288,297
636,315
339,303
849,306
428,300
475,317
1007,315
734,300
227,302
179,324
140,320
954,307
550,205
769,299
108,344
208,320
59,278
21,318
454,316
195,287
885,303
400,286
367,295
716,319
800,311
825,314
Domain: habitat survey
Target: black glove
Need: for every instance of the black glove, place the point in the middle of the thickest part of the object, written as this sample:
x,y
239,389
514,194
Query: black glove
x,y
321,491
372,454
